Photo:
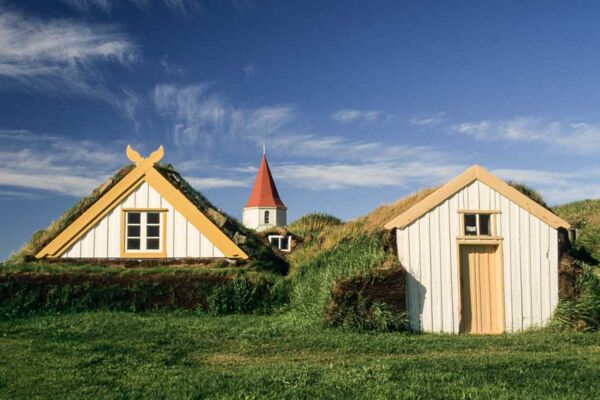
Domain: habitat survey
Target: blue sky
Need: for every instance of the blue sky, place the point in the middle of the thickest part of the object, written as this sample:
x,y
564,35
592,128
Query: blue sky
x,y
359,103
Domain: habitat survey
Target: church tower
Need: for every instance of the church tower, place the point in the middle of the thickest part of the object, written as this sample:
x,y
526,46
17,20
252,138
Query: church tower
x,y
264,208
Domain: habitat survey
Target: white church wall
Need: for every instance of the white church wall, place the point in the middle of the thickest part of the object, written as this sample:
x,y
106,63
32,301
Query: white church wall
x,y
254,217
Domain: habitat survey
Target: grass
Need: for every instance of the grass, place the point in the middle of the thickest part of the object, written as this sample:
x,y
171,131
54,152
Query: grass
x,y
183,356
312,224
218,268
585,217
119,355
311,284
339,251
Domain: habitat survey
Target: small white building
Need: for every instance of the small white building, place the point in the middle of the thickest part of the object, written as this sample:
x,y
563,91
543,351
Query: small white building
x,y
143,215
264,208
481,257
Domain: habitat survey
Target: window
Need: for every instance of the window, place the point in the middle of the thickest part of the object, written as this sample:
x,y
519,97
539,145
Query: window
x,y
478,224
143,231
283,243
267,217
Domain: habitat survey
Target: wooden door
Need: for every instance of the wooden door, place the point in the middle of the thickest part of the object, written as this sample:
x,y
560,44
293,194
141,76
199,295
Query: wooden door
x,y
482,300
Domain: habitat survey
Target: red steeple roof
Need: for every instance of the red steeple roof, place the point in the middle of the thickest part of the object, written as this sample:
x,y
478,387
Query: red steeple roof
x,y
264,193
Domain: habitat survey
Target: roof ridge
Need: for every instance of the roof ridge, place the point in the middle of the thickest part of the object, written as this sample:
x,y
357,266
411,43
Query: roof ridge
x,y
475,172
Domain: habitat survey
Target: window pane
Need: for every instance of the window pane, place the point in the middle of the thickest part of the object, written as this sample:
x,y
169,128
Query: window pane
x,y
153,231
152,244
153,218
133,218
484,224
133,244
285,243
133,231
470,224
274,241
266,217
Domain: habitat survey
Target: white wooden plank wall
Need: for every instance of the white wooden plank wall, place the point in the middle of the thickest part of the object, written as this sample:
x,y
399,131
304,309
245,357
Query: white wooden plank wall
x,y
103,240
427,249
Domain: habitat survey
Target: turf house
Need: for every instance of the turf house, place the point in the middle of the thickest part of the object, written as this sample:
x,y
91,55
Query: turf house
x,y
480,256
146,211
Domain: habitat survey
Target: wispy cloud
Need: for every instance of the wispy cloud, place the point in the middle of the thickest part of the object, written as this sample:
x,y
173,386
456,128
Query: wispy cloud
x,y
429,119
578,137
557,186
170,68
375,174
55,164
196,114
250,70
216,183
90,5
346,116
183,7
201,118
243,5
106,6
18,195
62,56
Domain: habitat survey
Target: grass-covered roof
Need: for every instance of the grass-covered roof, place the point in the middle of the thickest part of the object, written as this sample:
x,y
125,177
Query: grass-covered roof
x,y
261,255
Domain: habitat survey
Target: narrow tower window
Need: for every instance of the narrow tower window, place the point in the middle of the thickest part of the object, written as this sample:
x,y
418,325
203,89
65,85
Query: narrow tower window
x,y
266,217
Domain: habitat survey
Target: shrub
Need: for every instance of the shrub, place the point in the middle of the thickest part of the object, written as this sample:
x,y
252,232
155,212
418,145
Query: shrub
x,y
588,239
238,296
370,315
583,312
372,301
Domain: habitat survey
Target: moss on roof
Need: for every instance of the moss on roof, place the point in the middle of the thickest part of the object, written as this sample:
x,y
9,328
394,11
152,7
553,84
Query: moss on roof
x,y
261,255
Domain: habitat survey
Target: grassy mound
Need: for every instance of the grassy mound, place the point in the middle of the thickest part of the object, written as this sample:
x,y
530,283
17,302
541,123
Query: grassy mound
x,y
60,288
374,301
312,224
339,252
581,313
585,217
529,192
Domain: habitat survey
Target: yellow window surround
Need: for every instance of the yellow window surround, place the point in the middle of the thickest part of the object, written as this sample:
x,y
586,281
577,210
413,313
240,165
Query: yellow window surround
x,y
144,254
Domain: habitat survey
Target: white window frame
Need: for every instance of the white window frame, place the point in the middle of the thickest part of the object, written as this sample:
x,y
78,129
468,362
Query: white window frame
x,y
279,242
144,231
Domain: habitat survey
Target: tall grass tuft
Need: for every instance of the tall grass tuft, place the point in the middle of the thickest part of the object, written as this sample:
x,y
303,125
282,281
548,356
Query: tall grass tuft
x,y
582,313
311,284
585,217
312,224
529,192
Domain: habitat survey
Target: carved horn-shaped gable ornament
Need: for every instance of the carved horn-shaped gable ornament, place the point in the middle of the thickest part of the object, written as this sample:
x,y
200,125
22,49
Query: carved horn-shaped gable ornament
x,y
138,160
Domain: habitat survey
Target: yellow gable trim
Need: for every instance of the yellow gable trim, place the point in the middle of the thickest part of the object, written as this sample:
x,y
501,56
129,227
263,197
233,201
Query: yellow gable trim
x,y
455,185
143,172
92,215
193,215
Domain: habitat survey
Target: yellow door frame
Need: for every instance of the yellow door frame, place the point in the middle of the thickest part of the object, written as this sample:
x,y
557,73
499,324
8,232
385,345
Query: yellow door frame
x,y
499,258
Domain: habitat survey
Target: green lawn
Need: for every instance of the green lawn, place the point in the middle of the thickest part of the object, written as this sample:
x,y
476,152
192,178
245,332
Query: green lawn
x,y
170,355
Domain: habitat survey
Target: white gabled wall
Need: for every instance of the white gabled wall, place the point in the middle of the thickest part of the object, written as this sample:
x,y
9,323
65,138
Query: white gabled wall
x,y
427,249
254,217
103,240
